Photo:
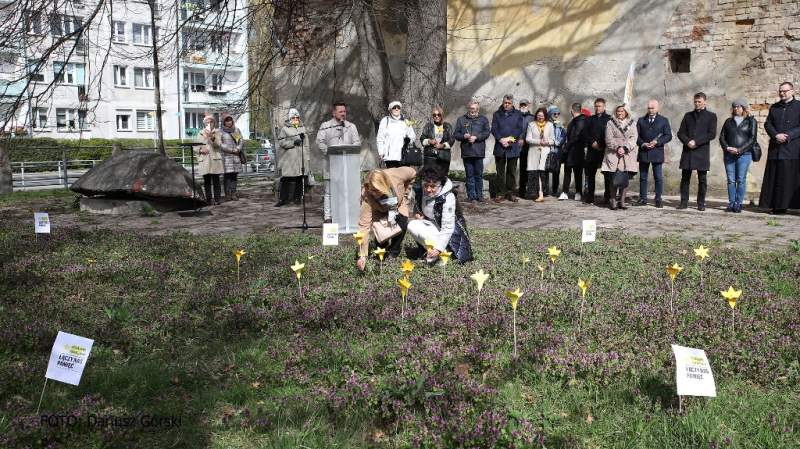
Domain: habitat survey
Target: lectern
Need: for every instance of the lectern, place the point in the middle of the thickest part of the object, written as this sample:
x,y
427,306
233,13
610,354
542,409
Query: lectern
x,y
345,169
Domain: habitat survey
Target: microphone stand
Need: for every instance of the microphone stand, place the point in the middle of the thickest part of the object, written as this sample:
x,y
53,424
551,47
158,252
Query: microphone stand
x,y
196,213
305,225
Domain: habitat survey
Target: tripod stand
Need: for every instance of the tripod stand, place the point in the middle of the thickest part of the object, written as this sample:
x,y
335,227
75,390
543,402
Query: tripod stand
x,y
196,213
305,225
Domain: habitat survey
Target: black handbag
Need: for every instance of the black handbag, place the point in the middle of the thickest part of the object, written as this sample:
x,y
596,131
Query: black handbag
x,y
756,150
411,155
621,178
552,164
443,155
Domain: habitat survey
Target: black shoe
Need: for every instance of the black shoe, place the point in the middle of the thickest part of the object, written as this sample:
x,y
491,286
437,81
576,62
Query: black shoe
x,y
683,205
297,201
280,203
729,208
737,208
701,207
778,212
658,204
640,203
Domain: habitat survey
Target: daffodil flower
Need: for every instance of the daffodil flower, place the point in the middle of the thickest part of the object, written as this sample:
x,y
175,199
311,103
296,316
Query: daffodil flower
x,y
514,297
554,252
701,252
407,268
91,260
430,243
298,268
239,255
480,277
380,253
673,270
440,129
411,122
731,295
541,269
445,256
525,260
358,236
404,286
584,285
512,140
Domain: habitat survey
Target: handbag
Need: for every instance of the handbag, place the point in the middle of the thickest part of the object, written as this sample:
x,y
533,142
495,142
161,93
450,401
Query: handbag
x,y
384,230
242,156
621,178
411,155
756,150
552,164
443,155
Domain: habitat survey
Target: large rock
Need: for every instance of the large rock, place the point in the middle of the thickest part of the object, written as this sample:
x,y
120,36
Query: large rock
x,y
139,174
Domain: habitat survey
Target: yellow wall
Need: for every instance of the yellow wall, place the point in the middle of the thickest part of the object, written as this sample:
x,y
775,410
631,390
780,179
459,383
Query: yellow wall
x,y
502,36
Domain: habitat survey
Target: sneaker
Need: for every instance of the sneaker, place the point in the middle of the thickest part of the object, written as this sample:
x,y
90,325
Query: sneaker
x,y
577,197
227,198
565,197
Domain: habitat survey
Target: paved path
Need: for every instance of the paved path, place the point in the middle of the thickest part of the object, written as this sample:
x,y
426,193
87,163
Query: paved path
x,y
254,213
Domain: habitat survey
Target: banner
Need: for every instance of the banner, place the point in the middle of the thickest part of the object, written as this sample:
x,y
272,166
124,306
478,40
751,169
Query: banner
x,y
629,86
68,358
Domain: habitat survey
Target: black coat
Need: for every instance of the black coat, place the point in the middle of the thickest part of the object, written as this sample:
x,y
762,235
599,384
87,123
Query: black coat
x,y
475,126
575,143
428,133
595,131
507,124
741,136
784,118
700,126
659,131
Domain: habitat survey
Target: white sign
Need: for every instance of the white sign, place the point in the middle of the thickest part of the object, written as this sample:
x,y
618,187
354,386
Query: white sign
x,y
330,234
589,231
42,222
68,358
693,375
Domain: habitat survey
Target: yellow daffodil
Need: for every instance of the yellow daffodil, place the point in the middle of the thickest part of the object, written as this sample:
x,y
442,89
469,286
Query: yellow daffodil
x,y
731,295
298,268
440,129
554,252
91,260
584,285
239,255
525,260
445,255
701,252
480,277
673,270
512,140
514,297
430,243
404,286
311,257
407,268
411,122
541,268
380,252
358,236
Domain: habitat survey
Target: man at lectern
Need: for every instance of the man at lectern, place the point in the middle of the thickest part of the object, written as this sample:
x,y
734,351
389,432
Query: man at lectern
x,y
336,131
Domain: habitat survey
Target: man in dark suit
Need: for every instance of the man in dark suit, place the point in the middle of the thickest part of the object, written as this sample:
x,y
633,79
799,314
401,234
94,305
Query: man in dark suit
x,y
654,133
698,129
781,188
595,138
574,149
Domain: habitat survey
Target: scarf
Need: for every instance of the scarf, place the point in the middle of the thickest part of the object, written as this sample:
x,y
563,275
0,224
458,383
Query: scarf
x,y
541,126
391,203
229,129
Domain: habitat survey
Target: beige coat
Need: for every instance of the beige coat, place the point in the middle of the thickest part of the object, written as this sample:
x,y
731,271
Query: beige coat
x,y
537,158
402,179
615,140
210,163
289,160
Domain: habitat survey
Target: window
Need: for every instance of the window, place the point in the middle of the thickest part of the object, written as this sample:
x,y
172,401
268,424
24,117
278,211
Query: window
x,y
83,122
219,42
124,121
144,120
217,83
39,118
196,82
680,61
62,25
142,34
69,73
143,77
33,23
193,42
77,3
121,76
193,120
117,31
35,72
65,119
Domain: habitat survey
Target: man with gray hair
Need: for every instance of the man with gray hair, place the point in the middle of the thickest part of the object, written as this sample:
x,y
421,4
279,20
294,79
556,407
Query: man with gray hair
x,y
471,131
506,129
336,131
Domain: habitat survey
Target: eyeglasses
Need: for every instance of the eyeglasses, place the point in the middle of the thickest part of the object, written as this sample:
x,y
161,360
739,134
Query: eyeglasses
x,y
555,114
437,115
396,107
784,91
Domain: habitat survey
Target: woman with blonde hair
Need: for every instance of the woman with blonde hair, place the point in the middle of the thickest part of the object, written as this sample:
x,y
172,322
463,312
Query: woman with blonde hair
x,y
384,198
621,151
437,140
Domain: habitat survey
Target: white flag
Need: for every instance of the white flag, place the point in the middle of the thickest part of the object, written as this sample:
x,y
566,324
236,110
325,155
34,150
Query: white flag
x,y
629,86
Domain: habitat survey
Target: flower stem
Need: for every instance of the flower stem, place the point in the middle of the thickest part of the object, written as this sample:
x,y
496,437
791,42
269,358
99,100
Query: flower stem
x,y
515,333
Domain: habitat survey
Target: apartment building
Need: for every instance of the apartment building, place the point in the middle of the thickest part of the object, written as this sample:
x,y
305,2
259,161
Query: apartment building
x,y
87,70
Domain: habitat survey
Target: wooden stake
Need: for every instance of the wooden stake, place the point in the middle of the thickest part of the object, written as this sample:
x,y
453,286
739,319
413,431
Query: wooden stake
x,y
42,396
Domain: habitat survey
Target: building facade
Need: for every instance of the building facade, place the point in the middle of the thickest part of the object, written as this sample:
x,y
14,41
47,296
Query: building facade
x,y
101,82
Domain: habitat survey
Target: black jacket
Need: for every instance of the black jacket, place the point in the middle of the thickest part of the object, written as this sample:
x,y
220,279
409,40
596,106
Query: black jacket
x,y
575,143
741,136
477,126
595,131
428,133
784,118
659,131
700,126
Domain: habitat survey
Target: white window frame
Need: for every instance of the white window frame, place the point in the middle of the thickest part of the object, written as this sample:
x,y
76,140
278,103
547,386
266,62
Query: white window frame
x,y
146,75
145,121
217,83
141,34
195,81
121,76
39,118
69,120
118,32
69,75
193,119
36,76
125,113
82,119
33,23
64,24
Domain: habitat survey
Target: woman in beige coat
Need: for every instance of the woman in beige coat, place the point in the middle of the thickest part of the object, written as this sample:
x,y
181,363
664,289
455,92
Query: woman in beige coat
x,y
621,152
209,157
541,139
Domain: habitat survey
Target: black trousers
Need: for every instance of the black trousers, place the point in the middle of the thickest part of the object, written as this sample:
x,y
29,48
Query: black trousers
x,y
444,166
578,173
557,175
591,173
393,246
298,187
392,164
523,171
207,180
702,186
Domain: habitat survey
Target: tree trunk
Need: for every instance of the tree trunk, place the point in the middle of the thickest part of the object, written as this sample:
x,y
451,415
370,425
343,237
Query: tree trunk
x,y
426,59
6,177
157,79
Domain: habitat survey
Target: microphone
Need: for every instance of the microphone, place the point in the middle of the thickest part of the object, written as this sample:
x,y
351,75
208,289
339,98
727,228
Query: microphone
x,y
302,136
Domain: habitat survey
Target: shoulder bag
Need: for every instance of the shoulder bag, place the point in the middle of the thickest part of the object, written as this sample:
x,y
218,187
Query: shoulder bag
x,y
552,164
242,155
411,155
384,230
621,178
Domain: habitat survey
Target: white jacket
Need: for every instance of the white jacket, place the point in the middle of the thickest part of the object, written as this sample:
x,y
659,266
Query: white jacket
x,y
537,159
448,215
391,133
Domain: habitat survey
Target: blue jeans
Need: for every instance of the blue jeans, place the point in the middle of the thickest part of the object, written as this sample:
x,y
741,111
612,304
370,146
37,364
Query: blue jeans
x,y
474,168
643,169
736,166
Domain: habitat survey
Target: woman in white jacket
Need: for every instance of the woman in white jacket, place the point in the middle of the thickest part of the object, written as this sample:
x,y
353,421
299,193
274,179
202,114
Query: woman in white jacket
x,y
393,132
541,139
